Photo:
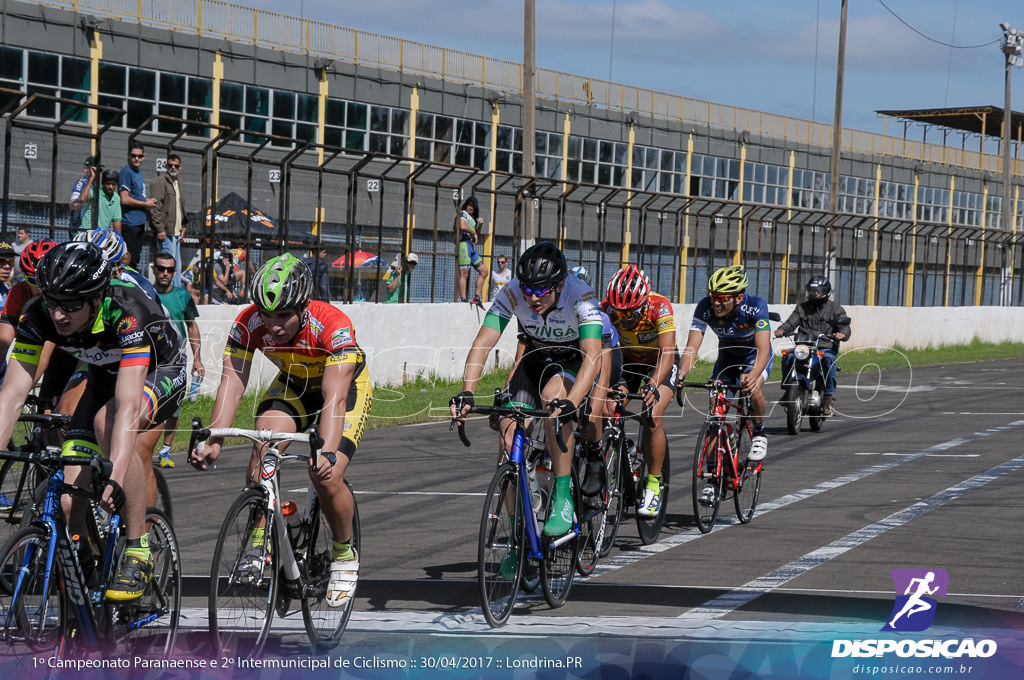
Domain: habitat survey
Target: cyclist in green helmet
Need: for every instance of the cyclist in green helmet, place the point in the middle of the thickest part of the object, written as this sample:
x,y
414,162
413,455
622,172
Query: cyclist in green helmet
x,y
323,378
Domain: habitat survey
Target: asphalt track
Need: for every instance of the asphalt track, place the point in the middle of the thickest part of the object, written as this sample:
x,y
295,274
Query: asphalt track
x,y
920,468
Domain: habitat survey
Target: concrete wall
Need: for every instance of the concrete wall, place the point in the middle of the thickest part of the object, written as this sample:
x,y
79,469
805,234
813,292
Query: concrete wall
x,y
404,342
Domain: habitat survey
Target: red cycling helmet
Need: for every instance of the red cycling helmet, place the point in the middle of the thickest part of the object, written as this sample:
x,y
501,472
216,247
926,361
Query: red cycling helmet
x,y
31,255
629,288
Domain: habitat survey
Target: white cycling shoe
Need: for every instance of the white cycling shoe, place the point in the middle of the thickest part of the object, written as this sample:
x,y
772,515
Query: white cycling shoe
x,y
758,448
342,586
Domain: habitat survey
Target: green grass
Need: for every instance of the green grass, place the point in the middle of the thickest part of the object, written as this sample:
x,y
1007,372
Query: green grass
x,y
427,399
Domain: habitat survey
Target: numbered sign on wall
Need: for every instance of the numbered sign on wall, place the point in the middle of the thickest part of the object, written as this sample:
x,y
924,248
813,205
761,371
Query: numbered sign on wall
x,y
31,151
275,176
373,186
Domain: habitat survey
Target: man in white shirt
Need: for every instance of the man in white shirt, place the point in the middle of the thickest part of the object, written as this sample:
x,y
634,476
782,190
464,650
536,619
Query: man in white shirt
x,y
500,276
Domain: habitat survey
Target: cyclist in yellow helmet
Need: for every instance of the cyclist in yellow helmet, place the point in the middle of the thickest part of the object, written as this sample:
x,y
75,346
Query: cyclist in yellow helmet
x,y
744,346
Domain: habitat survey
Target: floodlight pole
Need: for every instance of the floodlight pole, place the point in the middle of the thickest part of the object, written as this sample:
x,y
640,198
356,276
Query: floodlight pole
x,y
529,113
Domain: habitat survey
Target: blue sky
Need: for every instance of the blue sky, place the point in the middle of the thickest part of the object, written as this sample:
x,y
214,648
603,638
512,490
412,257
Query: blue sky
x,y
772,55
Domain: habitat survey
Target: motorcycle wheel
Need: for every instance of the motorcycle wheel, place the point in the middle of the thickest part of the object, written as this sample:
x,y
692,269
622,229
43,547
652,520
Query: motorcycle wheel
x,y
794,409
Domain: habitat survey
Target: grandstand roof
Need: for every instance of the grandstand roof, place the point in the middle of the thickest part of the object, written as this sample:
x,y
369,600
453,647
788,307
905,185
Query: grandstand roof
x,y
980,120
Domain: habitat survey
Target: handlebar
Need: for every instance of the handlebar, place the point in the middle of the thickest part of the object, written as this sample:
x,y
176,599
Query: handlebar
x,y
519,413
716,385
620,398
311,436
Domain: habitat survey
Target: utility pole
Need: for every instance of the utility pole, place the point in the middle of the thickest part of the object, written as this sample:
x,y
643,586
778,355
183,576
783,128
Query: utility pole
x,y
1012,50
837,141
529,115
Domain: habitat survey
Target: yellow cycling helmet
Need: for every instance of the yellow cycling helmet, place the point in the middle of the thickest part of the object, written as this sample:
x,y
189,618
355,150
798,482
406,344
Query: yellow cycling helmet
x,y
728,280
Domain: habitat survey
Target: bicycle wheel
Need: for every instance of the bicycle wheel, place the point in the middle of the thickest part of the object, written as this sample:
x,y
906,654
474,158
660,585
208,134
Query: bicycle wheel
x,y
148,626
502,547
560,555
163,494
615,476
243,577
748,486
705,473
592,526
31,609
649,528
324,624
794,409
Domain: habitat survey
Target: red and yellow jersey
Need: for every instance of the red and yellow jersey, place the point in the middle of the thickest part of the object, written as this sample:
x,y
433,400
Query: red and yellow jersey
x,y
325,339
640,343
16,301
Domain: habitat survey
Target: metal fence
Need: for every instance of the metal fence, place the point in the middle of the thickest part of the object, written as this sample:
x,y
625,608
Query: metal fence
x,y
379,206
274,30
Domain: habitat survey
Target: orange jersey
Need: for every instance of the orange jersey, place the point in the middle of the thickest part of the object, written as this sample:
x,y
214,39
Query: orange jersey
x,y
640,343
326,338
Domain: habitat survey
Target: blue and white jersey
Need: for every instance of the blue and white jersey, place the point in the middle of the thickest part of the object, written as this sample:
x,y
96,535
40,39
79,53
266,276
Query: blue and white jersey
x,y
736,331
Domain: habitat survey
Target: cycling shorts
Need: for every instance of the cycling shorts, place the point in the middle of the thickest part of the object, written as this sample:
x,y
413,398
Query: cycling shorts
x,y
162,394
732,363
468,257
305,406
635,375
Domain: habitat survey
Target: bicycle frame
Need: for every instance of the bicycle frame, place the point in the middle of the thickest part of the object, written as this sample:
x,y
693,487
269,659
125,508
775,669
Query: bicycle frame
x,y
59,547
719,415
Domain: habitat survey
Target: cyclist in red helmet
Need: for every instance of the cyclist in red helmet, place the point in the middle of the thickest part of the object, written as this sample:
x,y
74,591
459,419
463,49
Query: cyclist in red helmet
x,y
647,338
19,296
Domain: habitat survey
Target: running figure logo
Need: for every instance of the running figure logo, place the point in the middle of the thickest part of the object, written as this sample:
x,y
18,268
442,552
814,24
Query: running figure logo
x,y
914,610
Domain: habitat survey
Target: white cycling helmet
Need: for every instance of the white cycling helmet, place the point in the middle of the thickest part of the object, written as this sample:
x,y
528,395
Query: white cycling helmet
x,y
108,240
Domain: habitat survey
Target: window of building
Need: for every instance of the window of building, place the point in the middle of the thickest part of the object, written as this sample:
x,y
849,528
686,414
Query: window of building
x,y
856,195
810,189
765,183
967,208
933,205
896,200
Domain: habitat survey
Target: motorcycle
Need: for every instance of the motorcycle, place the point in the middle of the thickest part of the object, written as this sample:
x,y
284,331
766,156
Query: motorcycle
x,y
805,386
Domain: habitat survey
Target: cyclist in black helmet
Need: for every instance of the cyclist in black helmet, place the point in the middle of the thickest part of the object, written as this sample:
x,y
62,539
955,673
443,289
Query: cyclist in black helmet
x,y
560,322
817,314
135,379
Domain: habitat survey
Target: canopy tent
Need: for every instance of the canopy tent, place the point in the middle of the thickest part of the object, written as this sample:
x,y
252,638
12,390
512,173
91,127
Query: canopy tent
x,y
231,216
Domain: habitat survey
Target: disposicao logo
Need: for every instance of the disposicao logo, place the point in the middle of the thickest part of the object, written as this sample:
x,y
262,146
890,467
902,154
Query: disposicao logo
x,y
912,612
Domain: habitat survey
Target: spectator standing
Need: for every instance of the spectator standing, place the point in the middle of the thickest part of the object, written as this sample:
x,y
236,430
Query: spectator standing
x,y
183,312
319,267
168,220
78,193
6,272
23,237
470,224
134,204
500,276
397,280
109,205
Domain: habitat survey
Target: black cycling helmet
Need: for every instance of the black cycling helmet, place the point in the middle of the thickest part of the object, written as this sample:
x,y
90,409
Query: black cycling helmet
x,y
73,269
818,289
543,264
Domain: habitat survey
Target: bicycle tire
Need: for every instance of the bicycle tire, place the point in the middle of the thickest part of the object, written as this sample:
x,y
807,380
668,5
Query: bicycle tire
x,y
616,471
241,606
559,565
592,513
163,494
148,626
32,610
748,486
502,540
705,467
324,624
794,409
649,528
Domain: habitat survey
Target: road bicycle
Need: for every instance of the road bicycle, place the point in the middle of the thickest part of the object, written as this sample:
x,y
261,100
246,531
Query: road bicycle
x,y
720,460
294,555
53,583
511,526
24,487
626,472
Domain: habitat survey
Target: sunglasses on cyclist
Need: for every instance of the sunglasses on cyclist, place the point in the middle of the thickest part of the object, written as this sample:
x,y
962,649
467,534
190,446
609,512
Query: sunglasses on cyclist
x,y
539,292
722,298
629,314
66,306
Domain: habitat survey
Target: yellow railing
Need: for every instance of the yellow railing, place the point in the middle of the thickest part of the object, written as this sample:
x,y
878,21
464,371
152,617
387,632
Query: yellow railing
x,y
280,31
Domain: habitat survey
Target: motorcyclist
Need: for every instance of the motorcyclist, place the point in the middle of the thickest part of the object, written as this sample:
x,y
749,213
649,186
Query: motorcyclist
x,y
817,314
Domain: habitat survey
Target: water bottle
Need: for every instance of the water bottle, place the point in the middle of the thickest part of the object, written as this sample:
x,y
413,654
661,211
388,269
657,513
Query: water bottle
x,y
193,390
291,518
536,498
545,481
634,458
734,437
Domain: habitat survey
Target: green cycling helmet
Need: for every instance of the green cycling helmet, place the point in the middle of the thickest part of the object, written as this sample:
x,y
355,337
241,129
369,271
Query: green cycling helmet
x,y
283,282
728,280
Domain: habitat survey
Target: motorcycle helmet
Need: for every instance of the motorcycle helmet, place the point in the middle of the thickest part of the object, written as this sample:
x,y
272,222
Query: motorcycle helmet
x,y
819,289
